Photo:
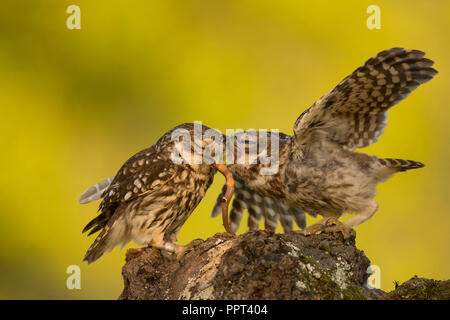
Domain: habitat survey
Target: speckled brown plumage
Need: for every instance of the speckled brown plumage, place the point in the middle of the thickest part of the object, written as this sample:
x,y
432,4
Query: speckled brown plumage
x,y
263,201
259,207
319,171
149,199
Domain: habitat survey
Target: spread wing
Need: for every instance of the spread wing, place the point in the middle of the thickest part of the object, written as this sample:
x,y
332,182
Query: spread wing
x,y
353,114
258,207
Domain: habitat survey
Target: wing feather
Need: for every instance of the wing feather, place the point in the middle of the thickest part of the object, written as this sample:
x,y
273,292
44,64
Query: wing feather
x,y
353,114
258,207
143,173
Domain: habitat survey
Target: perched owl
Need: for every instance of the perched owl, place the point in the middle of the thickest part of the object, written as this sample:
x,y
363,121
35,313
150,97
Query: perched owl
x,y
155,191
319,171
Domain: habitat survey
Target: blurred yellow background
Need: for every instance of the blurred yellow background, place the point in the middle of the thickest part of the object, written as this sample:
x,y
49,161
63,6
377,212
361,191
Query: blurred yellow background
x,y
75,104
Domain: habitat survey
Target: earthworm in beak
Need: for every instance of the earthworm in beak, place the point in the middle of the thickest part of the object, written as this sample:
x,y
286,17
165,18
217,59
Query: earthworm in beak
x,y
228,194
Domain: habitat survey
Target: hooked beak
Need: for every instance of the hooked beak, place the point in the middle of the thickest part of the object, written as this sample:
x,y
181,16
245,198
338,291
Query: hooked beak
x,y
228,194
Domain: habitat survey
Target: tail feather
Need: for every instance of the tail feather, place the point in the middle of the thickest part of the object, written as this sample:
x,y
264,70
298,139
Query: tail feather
x,y
299,216
218,205
97,221
258,207
236,212
95,192
101,220
285,217
114,233
401,164
270,215
98,247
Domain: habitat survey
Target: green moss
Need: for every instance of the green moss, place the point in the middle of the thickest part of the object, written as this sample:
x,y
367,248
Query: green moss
x,y
325,247
353,293
325,286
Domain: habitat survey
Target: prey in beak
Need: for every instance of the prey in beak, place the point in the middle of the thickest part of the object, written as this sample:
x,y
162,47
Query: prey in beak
x,y
228,194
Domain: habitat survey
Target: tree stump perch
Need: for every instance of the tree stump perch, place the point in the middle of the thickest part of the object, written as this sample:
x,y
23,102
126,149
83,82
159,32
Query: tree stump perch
x,y
264,265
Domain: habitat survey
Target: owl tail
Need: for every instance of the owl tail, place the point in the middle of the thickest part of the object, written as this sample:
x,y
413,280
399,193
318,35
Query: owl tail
x,y
112,234
96,191
400,164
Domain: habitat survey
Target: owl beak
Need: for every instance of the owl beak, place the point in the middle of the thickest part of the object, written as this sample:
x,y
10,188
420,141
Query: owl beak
x,y
228,194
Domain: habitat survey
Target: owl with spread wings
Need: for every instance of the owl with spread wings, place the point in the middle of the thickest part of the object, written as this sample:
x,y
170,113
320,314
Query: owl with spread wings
x,y
319,171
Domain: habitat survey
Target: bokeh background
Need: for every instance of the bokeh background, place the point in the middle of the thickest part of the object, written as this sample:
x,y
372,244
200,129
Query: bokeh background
x,y
75,104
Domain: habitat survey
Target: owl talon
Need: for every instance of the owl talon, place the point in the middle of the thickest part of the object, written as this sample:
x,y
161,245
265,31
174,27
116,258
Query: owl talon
x,y
166,254
331,222
313,229
320,226
181,251
341,227
194,243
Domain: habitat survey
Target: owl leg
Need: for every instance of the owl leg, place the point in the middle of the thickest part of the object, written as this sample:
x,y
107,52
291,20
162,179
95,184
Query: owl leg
x,y
180,251
166,248
362,216
347,227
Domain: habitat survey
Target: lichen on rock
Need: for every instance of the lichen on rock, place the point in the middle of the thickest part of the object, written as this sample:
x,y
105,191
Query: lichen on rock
x,y
264,265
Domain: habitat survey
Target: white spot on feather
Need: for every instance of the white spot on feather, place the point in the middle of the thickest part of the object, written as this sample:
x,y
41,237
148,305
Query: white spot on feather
x,y
128,195
138,183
